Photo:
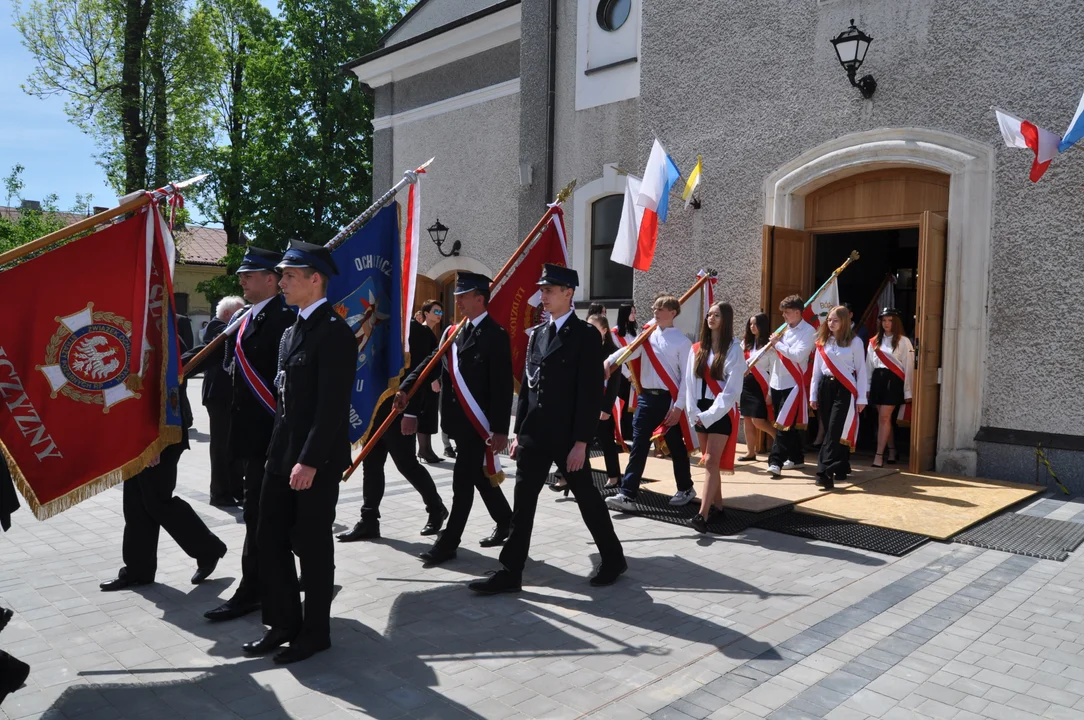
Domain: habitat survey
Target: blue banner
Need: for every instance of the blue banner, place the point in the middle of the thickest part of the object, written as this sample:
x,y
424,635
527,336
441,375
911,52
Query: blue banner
x,y
366,294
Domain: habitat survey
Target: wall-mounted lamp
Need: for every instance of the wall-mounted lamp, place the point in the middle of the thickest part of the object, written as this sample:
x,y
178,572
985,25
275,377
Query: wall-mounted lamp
x,y
438,233
851,46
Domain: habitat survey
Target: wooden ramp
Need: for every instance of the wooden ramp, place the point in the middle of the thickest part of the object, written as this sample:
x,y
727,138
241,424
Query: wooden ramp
x,y
938,506
751,488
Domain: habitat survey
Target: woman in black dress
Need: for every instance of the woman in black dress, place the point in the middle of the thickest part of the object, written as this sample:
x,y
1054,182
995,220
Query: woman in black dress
x,y
756,401
890,361
423,340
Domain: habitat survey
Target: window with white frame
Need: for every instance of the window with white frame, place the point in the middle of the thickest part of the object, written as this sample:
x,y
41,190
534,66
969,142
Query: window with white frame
x,y
609,280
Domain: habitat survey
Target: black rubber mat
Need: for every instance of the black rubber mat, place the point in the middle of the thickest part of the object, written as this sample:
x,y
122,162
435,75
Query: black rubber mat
x,y
843,532
657,507
1036,537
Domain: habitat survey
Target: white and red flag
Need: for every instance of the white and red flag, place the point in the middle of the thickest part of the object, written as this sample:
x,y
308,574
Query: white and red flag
x,y
412,241
1025,134
818,308
652,200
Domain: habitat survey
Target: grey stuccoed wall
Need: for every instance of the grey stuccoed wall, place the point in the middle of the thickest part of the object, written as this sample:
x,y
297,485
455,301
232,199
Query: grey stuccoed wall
x,y
752,85
434,14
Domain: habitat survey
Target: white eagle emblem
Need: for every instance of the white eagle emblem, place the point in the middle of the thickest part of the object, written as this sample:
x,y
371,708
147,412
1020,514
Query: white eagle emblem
x,y
94,358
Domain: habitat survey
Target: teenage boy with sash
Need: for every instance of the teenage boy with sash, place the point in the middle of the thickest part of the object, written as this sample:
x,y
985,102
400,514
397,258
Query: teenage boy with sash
x,y
666,354
556,418
788,386
476,407
251,359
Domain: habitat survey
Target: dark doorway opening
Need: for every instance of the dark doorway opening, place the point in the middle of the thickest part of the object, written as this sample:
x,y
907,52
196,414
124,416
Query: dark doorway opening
x,y
889,259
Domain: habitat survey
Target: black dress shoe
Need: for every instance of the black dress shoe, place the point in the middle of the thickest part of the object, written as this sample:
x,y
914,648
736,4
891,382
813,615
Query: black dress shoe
x,y
273,639
122,582
699,523
300,651
502,581
231,610
224,502
436,520
438,554
608,573
449,452
498,537
430,457
5,617
364,530
13,673
204,569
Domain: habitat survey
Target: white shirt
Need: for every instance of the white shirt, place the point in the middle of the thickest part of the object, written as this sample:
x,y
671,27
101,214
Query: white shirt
x,y
672,349
476,321
850,360
764,364
733,376
904,353
311,308
559,322
629,337
796,344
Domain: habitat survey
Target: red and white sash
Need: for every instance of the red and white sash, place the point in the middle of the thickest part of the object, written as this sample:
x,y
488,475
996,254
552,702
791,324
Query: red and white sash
x,y
850,425
903,415
259,387
726,462
634,369
671,384
762,381
795,410
491,464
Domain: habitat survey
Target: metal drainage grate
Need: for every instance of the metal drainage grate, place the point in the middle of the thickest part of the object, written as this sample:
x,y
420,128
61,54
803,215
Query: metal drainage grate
x,y
1036,537
656,506
843,532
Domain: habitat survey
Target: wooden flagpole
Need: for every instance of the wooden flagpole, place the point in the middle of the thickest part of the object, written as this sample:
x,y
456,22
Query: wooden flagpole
x,y
127,206
835,273
562,196
409,178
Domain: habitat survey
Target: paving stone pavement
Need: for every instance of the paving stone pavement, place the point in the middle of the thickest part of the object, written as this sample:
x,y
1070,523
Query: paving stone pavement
x,y
758,625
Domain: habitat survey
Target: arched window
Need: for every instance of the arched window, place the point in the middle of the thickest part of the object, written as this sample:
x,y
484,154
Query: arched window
x,y
609,280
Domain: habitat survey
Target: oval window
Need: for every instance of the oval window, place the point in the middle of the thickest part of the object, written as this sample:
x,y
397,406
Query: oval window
x,y
612,14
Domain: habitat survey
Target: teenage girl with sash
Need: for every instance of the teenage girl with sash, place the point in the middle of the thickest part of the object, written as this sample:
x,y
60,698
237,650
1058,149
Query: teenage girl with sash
x,y
838,390
756,401
608,434
890,362
713,384
624,332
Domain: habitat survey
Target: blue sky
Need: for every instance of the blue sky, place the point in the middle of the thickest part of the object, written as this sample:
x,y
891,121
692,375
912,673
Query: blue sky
x,y
36,133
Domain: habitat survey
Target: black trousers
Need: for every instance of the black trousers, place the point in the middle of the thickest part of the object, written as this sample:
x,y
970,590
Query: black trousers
x,y
605,438
833,401
788,443
150,505
467,475
532,468
401,449
10,669
248,590
298,520
227,476
651,411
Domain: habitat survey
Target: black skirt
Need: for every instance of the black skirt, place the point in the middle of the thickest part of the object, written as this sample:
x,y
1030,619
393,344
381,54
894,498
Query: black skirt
x,y
722,426
885,388
752,402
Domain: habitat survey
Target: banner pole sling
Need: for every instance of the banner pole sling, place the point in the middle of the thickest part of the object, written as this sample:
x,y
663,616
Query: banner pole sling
x,y
125,206
754,359
409,178
447,344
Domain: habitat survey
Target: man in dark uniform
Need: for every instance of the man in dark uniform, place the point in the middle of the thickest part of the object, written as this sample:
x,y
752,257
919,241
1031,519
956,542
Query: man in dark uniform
x,y
485,365
556,418
227,477
309,449
150,505
252,407
400,446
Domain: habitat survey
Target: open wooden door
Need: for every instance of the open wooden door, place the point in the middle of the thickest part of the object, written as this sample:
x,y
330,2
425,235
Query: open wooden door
x,y
787,268
929,326
425,289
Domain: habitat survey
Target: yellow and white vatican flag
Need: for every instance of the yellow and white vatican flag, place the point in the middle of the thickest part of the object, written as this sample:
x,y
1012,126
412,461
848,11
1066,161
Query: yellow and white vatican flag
x,y
692,183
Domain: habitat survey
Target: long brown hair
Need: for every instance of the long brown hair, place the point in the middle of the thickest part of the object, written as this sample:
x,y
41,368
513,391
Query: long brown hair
x,y
846,332
727,336
897,330
608,344
763,332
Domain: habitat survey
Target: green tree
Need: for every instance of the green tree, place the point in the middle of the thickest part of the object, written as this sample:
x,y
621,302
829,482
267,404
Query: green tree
x,y
27,223
310,152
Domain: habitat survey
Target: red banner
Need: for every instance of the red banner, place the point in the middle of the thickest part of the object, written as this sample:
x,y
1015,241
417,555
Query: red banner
x,y
515,303
82,387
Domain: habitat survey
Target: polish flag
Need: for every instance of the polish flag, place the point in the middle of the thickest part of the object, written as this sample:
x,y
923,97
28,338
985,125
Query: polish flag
x,y
654,198
626,244
410,252
818,308
1024,134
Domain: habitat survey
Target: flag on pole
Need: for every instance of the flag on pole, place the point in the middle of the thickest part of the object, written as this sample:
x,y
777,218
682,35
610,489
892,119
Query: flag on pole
x,y
1075,131
626,244
410,252
819,307
89,365
886,299
707,293
366,294
692,183
1024,134
653,201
